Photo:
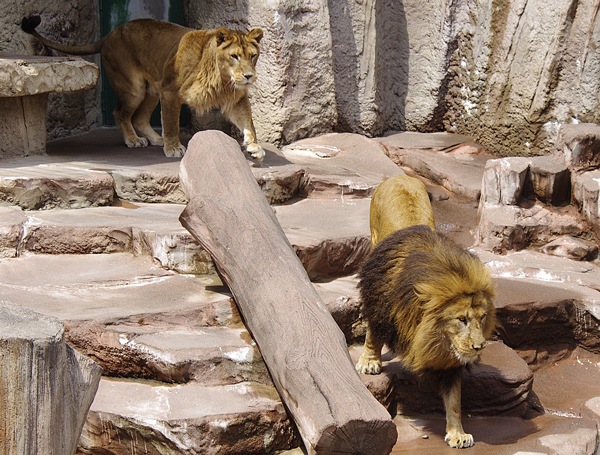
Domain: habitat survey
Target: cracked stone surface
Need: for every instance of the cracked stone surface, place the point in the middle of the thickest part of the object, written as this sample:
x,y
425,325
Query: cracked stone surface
x,y
160,329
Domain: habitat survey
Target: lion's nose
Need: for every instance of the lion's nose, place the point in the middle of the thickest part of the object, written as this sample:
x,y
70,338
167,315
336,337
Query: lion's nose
x,y
478,346
248,76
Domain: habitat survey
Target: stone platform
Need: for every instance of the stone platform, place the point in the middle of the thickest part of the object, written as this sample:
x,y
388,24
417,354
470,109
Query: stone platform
x,y
25,82
90,234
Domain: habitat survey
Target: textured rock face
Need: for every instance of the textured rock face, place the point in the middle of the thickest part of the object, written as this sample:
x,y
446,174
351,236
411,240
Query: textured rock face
x,y
508,75
520,70
294,94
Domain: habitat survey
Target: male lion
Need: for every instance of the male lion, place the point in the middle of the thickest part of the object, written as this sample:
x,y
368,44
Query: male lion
x,y
147,60
425,297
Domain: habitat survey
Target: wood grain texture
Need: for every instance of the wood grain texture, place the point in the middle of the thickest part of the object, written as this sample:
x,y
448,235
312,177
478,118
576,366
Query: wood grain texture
x,y
46,387
302,346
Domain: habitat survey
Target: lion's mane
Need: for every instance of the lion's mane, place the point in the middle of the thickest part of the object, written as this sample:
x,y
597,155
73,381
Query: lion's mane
x,y
408,283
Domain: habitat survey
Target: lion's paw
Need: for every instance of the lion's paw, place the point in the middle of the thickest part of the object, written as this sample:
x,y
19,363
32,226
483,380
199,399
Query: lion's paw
x,y
158,141
256,151
459,440
368,366
136,142
174,151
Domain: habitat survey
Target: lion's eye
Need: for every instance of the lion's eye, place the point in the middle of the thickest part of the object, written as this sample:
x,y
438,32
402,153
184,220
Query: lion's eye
x,y
463,319
253,57
235,56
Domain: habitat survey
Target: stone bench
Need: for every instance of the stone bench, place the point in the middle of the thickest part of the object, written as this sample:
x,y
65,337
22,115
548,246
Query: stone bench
x,y
25,82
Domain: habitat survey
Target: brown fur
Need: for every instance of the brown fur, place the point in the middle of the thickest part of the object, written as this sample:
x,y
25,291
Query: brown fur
x,y
397,203
148,60
424,296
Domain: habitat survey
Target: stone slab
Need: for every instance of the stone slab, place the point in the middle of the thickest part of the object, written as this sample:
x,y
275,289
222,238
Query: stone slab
x,y
22,75
504,180
586,191
551,179
341,165
171,353
12,220
535,292
460,173
545,434
99,286
578,145
138,175
503,228
50,186
427,141
134,417
330,236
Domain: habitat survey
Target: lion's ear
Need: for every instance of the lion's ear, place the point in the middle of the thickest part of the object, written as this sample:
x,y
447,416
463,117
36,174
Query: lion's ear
x,y
223,35
255,34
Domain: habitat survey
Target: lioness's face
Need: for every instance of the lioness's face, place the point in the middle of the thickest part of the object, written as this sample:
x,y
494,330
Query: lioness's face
x,y
238,55
469,320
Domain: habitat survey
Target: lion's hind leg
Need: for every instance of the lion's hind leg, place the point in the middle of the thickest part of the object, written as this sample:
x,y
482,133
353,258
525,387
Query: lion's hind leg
x,y
141,120
370,359
130,93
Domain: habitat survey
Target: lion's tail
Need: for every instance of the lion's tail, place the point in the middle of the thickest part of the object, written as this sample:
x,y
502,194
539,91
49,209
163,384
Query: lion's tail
x,y
28,24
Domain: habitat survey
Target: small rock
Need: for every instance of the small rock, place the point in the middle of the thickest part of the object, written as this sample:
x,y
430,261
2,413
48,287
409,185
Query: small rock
x,y
586,193
551,179
504,180
580,145
502,228
572,248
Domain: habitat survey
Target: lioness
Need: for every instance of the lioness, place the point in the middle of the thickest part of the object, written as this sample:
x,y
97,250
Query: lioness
x,y
147,60
424,296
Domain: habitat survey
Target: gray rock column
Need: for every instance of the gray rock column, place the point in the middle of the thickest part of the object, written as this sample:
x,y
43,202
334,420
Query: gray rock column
x,y
46,388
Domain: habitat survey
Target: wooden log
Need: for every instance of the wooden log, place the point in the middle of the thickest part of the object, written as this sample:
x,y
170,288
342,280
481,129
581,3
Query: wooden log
x,y
46,388
302,346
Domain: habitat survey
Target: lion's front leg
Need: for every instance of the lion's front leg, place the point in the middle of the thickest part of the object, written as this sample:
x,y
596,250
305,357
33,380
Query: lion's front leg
x,y
170,107
241,116
451,393
370,359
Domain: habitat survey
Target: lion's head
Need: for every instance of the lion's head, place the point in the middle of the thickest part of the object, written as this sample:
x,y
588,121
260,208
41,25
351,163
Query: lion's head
x,y
429,299
237,53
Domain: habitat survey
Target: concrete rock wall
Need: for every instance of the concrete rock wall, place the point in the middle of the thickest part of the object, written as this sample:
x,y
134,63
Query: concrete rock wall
x,y
73,22
520,69
507,73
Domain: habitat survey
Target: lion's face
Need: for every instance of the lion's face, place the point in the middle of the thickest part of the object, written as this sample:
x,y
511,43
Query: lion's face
x,y
237,55
469,321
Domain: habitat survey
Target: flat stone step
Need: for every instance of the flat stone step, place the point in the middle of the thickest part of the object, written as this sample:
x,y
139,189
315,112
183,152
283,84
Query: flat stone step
x,y
92,169
149,417
547,306
450,160
341,165
138,320
545,434
331,237
111,287
173,354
